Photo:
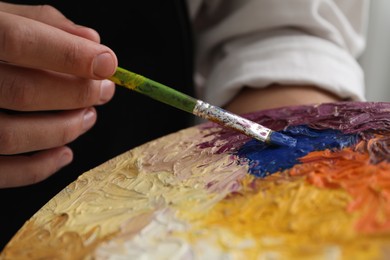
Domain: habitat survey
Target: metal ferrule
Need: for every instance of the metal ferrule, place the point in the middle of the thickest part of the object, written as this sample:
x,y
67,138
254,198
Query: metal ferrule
x,y
225,118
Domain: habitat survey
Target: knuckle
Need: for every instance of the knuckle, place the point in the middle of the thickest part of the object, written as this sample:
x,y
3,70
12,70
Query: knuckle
x,y
16,93
88,94
44,13
71,55
8,144
13,40
67,136
69,133
46,10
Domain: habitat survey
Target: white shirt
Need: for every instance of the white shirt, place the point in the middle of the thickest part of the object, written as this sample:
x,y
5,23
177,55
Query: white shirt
x,y
260,42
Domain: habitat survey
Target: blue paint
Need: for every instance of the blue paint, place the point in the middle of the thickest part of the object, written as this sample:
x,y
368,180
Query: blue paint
x,y
265,159
281,139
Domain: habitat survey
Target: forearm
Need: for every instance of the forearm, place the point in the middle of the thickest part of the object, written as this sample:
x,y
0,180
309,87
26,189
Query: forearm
x,y
252,99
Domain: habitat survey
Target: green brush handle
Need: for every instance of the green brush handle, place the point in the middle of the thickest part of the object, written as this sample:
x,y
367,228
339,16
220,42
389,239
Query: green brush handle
x,y
153,89
197,107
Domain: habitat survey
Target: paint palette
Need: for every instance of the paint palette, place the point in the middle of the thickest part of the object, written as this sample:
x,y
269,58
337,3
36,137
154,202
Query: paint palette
x,y
210,193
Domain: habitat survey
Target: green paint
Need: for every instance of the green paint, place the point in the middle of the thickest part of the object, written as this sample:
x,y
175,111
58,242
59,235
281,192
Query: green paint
x,y
153,89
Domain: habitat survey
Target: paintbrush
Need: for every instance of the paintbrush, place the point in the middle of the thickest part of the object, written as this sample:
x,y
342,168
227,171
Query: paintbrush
x,y
199,108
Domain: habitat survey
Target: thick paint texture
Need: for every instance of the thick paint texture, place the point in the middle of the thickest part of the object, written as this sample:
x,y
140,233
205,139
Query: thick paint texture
x,y
196,194
284,217
368,184
265,159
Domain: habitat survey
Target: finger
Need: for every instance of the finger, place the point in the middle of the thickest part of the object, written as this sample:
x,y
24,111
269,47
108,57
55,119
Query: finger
x,y
29,169
51,16
21,133
34,44
23,89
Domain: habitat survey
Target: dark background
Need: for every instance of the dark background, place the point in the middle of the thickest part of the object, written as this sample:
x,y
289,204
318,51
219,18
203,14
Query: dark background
x,y
149,37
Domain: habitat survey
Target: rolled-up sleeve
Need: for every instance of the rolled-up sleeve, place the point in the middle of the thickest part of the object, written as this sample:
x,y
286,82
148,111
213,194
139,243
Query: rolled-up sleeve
x,y
257,43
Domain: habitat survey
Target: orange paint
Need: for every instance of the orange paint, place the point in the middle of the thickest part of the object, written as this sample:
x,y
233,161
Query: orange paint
x,y
367,183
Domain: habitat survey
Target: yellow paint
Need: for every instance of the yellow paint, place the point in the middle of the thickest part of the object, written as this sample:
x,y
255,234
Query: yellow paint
x,y
352,171
128,79
168,198
286,218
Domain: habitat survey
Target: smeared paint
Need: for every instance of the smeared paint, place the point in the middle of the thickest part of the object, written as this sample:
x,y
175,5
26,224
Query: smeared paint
x,y
367,183
266,159
280,216
133,197
189,195
278,138
238,123
362,118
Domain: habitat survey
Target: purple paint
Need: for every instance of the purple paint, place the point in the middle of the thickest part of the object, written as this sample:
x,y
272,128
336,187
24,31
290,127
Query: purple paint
x,y
363,118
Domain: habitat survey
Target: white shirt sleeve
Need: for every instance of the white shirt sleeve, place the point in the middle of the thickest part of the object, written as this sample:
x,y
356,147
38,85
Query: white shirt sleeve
x,y
260,42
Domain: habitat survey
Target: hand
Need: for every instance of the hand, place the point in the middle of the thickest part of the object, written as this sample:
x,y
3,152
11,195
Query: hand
x,y
251,99
51,75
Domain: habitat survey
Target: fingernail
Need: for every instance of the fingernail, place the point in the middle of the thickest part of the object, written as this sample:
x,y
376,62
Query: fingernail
x,y
65,159
104,65
107,90
89,119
